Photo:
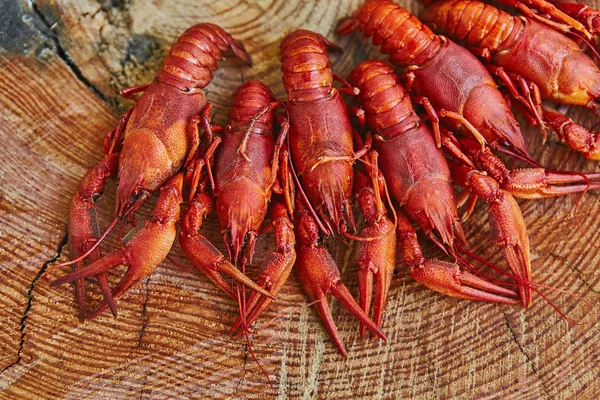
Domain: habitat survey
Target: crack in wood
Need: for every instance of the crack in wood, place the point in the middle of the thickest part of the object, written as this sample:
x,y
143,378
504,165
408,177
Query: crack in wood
x,y
143,316
579,272
62,54
23,326
243,368
430,376
529,360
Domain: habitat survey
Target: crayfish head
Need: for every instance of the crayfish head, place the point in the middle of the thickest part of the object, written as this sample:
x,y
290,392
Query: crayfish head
x,y
433,208
127,197
144,166
329,188
496,124
241,209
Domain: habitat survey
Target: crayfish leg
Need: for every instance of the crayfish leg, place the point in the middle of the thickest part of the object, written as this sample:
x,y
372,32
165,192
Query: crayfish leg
x,y
445,277
276,270
576,136
507,225
146,249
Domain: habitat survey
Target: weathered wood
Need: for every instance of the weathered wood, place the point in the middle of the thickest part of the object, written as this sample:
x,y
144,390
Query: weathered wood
x,y
61,64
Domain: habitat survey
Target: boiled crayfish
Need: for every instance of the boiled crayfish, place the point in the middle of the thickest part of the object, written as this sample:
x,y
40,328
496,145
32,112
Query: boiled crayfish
x,y
152,143
400,170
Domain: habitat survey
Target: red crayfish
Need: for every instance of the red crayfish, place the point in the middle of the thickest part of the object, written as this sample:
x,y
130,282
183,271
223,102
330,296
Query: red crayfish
x,y
153,141
535,61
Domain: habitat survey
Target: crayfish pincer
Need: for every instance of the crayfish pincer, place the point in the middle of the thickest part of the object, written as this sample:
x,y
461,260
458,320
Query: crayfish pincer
x,y
151,144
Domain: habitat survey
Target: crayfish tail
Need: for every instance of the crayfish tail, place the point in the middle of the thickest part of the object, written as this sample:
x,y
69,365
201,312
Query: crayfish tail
x,y
240,52
194,56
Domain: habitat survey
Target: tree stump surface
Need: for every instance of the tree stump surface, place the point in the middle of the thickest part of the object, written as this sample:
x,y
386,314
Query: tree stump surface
x,y
61,65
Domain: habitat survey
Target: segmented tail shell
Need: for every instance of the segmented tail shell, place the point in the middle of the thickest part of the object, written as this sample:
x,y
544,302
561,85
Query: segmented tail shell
x,y
400,34
194,56
305,65
248,100
476,23
382,97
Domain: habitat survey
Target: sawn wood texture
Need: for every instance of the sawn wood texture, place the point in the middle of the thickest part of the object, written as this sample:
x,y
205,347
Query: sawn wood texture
x,y
61,65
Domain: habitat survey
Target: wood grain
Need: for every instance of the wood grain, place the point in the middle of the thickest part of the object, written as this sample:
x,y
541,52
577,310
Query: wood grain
x,y
61,64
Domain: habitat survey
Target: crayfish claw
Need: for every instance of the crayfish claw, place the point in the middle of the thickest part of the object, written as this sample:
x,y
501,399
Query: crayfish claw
x,y
341,292
382,279
98,267
319,275
322,307
228,268
365,285
103,282
449,279
276,270
209,260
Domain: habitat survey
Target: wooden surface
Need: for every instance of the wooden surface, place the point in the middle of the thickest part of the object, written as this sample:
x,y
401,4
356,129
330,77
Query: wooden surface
x,y
61,64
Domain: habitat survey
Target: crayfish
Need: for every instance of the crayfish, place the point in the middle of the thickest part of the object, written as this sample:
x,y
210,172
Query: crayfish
x,y
153,141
